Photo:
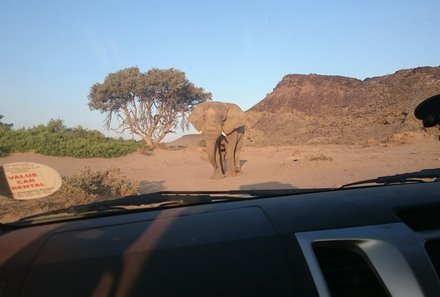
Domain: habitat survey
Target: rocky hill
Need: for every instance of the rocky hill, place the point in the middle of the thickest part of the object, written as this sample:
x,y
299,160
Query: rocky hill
x,y
335,109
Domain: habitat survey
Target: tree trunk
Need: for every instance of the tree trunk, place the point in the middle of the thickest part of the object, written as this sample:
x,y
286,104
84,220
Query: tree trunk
x,y
148,141
163,133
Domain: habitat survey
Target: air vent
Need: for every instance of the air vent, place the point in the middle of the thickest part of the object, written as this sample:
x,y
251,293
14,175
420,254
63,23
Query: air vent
x,y
421,218
347,273
433,249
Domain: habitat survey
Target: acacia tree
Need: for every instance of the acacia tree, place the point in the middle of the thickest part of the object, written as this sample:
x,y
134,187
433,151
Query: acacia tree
x,y
147,104
7,126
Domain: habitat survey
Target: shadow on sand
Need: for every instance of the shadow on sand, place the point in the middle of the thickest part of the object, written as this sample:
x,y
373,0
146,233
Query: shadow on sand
x,y
274,185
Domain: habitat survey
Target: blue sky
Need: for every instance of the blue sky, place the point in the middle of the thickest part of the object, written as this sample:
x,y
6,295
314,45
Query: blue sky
x,y
52,52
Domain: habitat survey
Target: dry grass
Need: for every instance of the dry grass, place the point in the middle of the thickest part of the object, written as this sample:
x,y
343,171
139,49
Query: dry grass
x,y
319,157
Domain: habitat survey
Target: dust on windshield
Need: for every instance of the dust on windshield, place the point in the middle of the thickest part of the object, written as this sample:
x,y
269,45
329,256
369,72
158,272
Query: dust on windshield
x,y
128,98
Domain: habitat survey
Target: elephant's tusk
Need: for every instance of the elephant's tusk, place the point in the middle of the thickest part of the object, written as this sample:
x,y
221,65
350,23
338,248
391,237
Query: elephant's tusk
x,y
224,134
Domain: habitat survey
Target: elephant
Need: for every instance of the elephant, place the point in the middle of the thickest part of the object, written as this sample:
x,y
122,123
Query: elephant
x,y
223,127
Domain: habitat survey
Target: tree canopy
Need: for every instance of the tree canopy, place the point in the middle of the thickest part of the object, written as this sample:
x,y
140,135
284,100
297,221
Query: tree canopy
x,y
4,125
147,104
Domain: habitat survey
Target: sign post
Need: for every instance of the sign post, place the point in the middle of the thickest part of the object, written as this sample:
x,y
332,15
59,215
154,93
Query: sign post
x,y
25,180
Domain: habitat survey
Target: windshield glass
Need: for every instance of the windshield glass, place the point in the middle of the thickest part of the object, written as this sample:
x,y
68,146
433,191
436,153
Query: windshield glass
x,y
102,100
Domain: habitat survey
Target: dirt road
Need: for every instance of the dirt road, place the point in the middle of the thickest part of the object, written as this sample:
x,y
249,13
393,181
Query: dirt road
x,y
301,166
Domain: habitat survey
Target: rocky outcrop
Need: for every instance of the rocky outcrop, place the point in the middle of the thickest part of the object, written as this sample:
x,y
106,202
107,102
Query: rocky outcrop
x,y
335,109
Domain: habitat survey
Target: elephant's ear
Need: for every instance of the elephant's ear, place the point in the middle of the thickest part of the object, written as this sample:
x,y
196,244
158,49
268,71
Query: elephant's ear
x,y
235,118
196,118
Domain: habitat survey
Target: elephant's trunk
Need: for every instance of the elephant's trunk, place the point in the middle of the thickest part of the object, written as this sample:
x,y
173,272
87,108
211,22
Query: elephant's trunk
x,y
212,131
212,151
213,134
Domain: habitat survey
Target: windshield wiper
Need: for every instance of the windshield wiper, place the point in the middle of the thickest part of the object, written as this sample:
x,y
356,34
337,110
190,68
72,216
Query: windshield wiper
x,y
421,176
157,200
120,205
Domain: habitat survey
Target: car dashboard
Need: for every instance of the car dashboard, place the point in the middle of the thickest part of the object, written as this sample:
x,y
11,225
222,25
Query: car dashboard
x,y
368,241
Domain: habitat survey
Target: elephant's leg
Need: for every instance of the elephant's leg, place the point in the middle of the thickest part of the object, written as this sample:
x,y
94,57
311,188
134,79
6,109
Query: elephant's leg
x,y
223,155
231,150
239,147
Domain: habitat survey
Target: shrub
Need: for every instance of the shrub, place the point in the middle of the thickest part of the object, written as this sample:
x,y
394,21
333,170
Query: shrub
x,y
55,139
104,184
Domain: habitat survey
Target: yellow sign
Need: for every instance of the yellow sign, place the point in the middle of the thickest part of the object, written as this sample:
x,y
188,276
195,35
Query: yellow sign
x,y
24,180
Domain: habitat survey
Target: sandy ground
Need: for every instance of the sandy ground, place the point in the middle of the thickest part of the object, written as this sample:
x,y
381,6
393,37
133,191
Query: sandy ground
x,y
302,166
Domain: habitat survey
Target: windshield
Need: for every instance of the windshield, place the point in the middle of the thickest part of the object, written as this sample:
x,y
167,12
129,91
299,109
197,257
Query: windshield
x,y
106,99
